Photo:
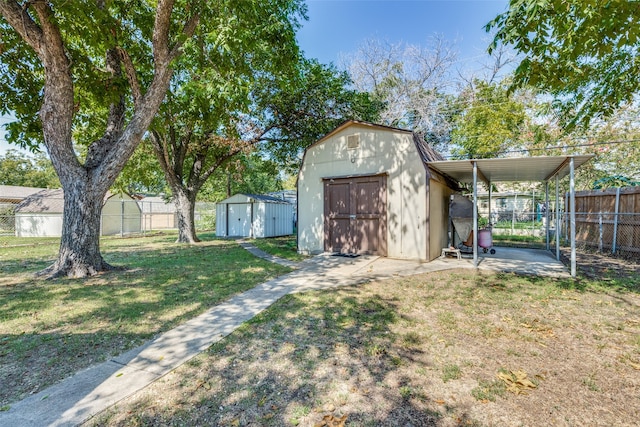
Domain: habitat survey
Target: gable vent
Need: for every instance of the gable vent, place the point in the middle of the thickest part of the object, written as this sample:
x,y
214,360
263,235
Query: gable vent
x,y
353,142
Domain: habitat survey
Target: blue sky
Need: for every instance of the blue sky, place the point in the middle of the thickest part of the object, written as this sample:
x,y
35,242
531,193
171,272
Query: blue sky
x,y
338,27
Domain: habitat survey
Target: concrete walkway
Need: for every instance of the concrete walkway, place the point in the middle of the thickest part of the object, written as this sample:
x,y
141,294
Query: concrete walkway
x,y
90,391
268,257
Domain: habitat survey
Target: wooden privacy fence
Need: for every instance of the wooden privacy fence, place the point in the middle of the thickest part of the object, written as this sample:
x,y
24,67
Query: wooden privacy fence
x,y
608,220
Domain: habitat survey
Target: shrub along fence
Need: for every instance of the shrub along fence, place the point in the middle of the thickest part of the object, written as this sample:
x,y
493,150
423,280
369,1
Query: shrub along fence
x,y
608,221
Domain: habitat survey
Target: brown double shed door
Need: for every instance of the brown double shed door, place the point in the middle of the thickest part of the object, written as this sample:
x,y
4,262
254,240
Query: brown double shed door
x,y
355,215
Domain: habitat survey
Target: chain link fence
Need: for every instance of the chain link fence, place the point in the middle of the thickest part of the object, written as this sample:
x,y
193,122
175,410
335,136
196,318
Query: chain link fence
x,y
21,223
608,233
617,234
600,228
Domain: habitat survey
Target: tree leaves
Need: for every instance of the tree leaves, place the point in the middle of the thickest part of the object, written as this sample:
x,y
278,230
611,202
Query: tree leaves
x,y
490,122
585,53
27,171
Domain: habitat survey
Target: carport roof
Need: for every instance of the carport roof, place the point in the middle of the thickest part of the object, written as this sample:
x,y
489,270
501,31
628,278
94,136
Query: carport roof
x,y
538,168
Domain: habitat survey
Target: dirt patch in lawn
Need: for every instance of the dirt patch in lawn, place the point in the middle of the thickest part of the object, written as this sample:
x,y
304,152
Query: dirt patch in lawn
x,y
454,348
598,266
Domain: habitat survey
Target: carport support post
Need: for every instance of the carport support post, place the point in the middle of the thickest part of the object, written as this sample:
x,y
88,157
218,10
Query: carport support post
x,y
546,212
475,214
572,206
489,219
557,218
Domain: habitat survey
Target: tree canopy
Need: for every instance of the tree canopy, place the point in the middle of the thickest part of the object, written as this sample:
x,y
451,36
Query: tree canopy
x,y
489,123
95,74
410,80
27,171
275,107
584,52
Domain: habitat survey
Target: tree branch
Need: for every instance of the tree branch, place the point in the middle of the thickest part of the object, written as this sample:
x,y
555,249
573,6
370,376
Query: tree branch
x,y
162,154
161,33
188,31
131,74
18,17
115,122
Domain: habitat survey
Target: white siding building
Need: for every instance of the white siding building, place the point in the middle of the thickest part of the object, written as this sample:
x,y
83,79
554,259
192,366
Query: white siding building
x,y
253,215
40,215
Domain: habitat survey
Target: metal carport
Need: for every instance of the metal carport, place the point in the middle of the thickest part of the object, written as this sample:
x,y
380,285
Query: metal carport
x,y
539,168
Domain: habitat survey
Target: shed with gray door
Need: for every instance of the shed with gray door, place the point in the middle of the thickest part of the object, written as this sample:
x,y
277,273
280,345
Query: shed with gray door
x,y
254,215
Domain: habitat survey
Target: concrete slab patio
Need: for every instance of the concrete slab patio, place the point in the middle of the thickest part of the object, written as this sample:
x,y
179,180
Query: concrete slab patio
x,y
535,262
90,391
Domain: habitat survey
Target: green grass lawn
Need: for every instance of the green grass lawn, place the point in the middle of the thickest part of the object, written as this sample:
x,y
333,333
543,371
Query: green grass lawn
x,y
509,240
49,329
283,247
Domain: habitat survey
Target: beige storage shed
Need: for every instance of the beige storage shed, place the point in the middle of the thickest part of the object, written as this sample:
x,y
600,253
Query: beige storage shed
x,y
366,188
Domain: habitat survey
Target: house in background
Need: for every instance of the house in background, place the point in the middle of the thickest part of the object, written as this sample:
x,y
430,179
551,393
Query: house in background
x,y
287,195
40,215
253,215
367,188
10,197
511,206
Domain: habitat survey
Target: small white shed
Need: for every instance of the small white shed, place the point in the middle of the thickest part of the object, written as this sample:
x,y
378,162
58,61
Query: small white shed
x,y
253,215
40,215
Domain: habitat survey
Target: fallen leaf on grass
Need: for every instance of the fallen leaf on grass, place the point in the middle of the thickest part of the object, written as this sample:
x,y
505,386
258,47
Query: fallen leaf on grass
x,y
516,381
332,421
541,329
635,366
204,384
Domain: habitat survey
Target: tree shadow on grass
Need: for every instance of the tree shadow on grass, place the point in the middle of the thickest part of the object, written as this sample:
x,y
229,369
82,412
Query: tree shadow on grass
x,y
309,357
49,329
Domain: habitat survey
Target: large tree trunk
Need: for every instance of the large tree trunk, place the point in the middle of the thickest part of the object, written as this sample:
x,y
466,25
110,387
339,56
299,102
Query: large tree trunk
x,y
184,194
79,254
185,208
85,185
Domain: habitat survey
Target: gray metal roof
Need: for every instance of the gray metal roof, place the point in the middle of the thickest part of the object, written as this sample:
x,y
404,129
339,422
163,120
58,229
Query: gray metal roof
x,y
266,198
16,193
44,201
540,168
